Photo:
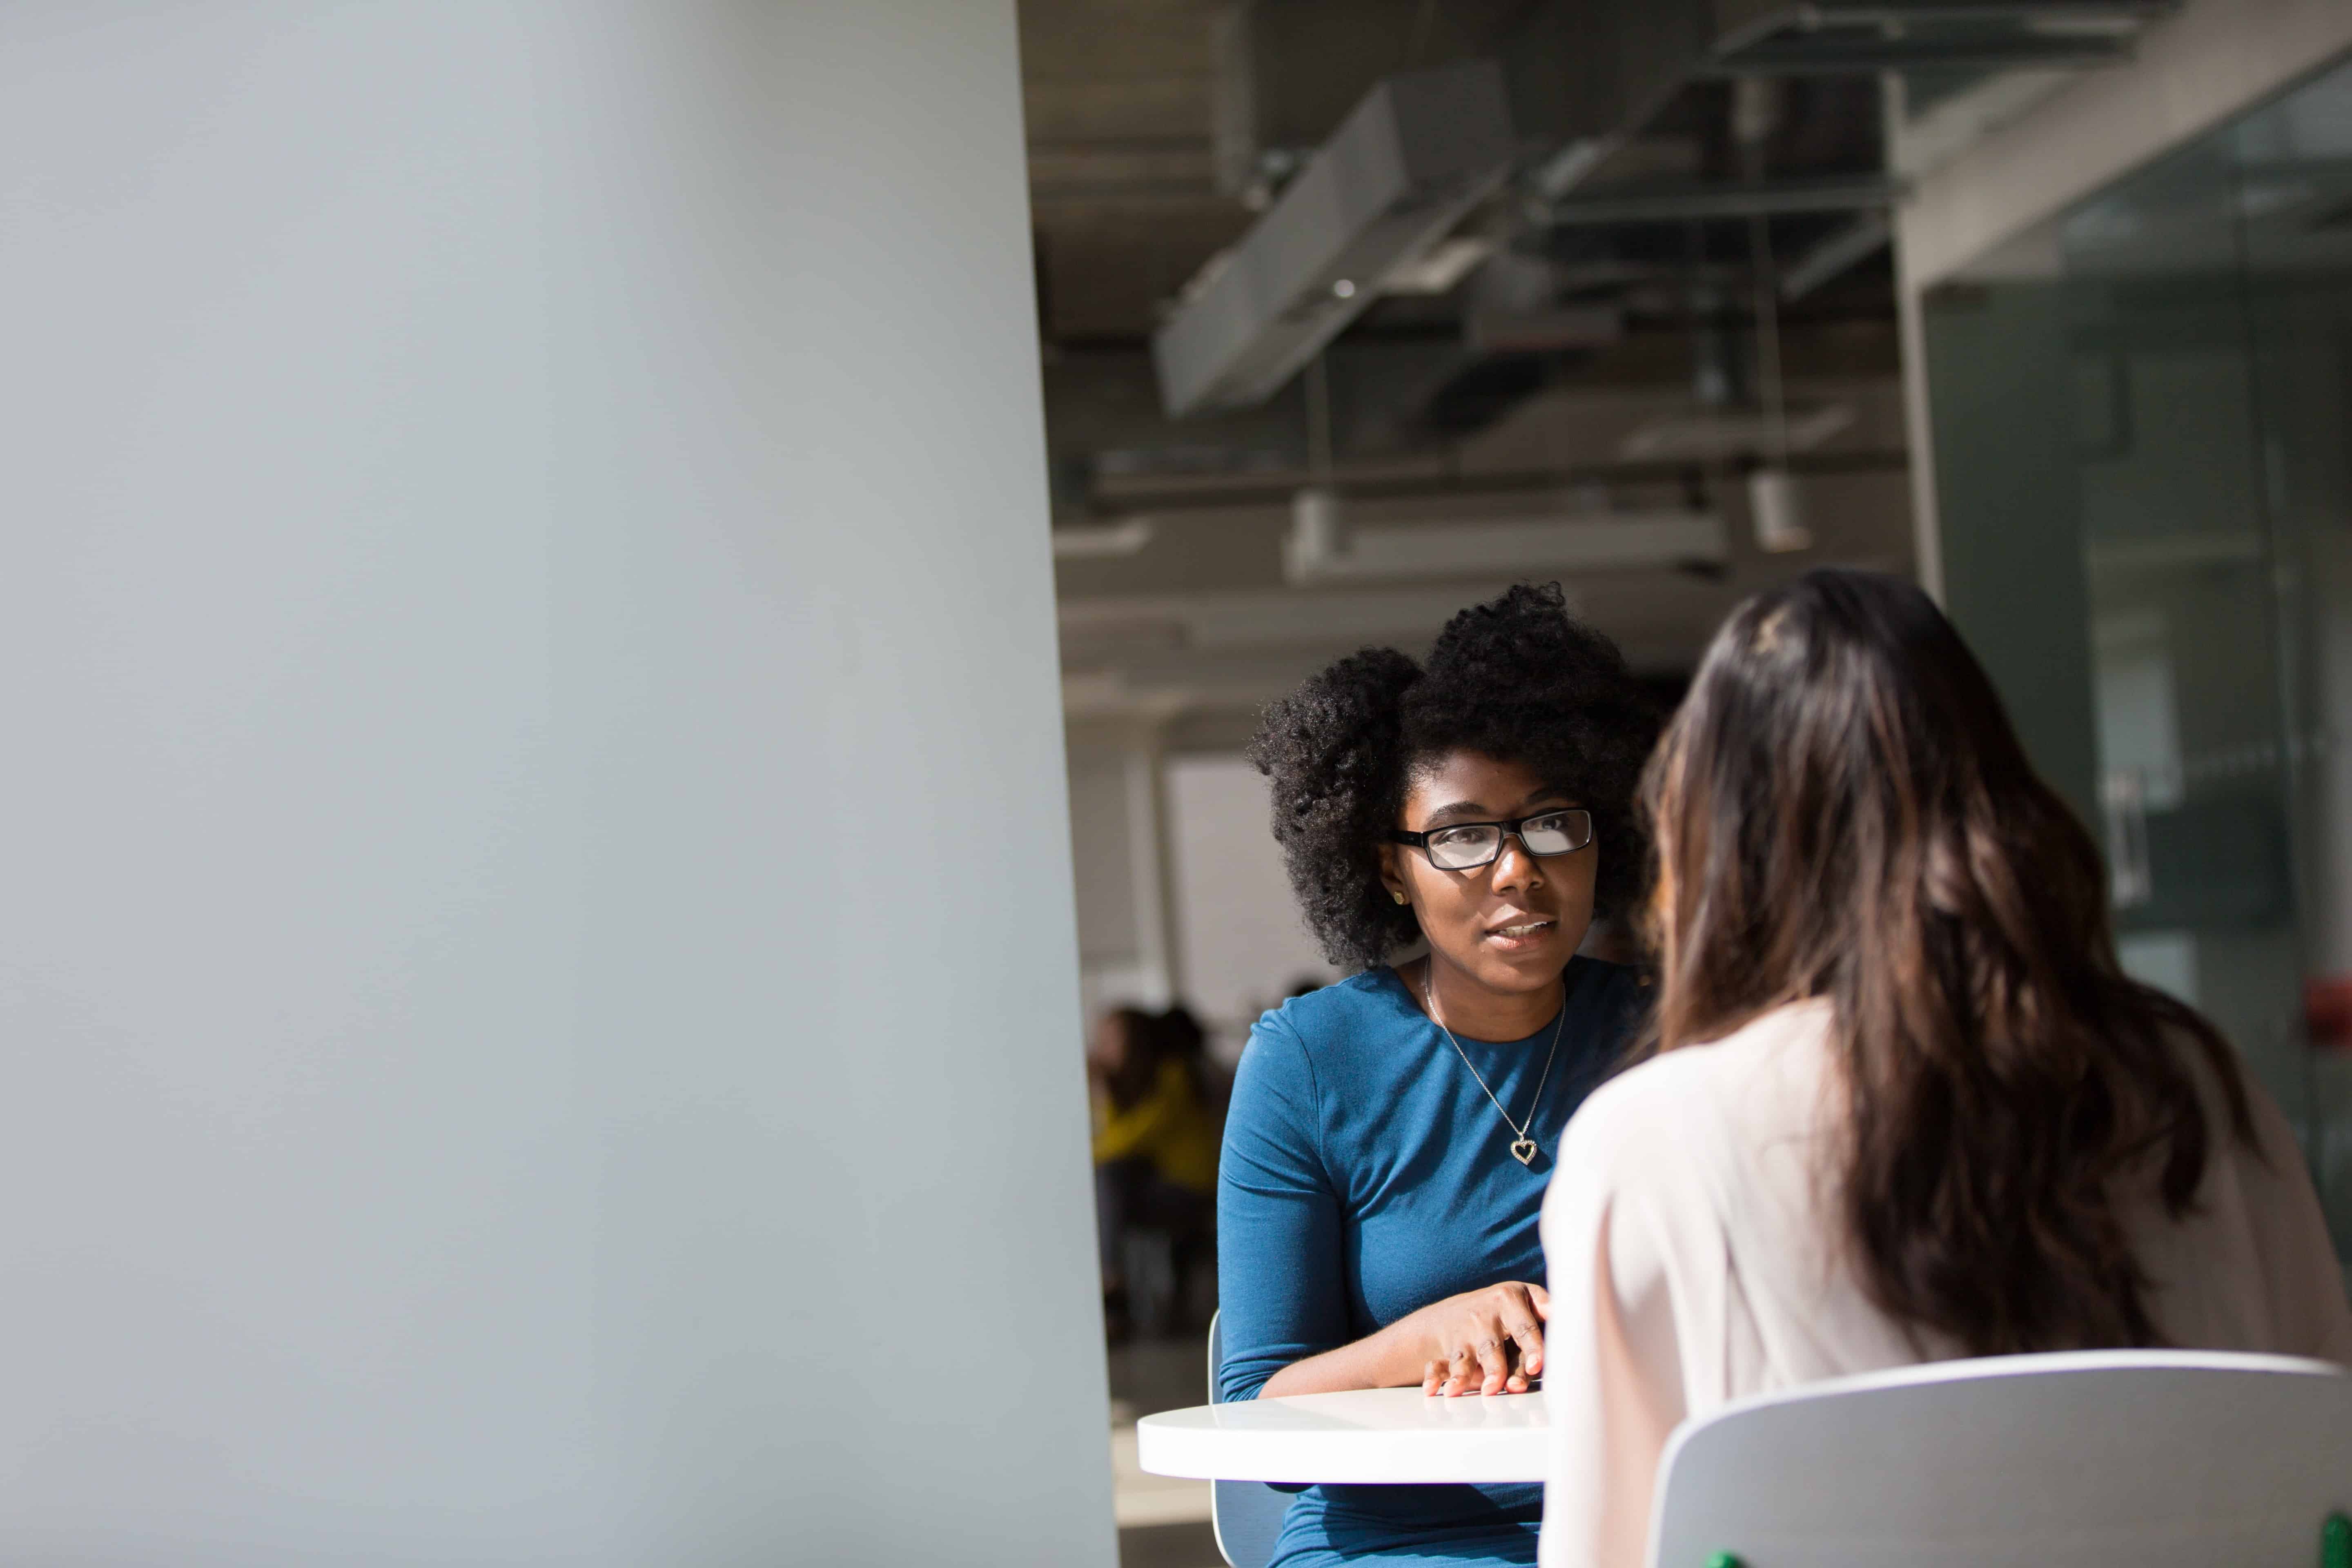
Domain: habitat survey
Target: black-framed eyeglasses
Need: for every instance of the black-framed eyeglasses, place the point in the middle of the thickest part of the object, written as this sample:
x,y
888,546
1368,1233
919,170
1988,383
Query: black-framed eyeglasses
x,y
1466,846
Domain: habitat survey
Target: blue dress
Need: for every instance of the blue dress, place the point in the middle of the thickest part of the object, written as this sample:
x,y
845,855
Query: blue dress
x,y
1365,1175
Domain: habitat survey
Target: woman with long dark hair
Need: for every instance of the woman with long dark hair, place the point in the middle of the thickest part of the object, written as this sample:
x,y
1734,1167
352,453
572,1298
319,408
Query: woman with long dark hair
x,y
1390,1136
1903,1105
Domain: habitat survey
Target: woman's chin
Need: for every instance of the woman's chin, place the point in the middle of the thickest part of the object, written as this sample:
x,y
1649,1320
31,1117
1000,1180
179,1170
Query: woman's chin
x,y
1534,959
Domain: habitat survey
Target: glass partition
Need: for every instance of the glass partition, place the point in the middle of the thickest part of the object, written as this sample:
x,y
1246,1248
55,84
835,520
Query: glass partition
x,y
2143,426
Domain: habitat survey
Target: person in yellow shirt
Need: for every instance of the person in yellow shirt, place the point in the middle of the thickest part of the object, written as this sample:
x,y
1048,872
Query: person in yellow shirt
x,y
1155,1141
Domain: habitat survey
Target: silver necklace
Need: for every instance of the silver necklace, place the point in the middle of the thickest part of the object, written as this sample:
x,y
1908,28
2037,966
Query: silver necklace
x,y
1523,1148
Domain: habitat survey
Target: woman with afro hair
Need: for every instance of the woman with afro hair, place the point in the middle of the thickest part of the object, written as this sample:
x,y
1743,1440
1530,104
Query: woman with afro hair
x,y
1452,830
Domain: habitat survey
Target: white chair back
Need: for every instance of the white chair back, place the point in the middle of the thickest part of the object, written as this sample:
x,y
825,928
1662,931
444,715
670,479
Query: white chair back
x,y
2145,1458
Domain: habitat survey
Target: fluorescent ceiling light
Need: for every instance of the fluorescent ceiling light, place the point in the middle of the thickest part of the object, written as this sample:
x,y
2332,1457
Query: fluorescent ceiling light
x,y
1276,617
1104,542
1317,550
1698,437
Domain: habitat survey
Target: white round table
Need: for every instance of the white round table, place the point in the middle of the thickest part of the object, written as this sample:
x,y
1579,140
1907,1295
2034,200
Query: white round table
x,y
1369,1435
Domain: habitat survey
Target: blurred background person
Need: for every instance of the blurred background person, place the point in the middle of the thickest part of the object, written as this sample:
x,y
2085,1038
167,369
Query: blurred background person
x,y
1156,1098
1906,1105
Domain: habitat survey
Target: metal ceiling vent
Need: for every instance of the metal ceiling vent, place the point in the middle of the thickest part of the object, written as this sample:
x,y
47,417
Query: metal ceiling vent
x,y
1407,165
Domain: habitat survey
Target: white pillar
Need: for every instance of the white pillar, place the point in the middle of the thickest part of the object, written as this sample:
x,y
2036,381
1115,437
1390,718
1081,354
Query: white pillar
x,y
535,950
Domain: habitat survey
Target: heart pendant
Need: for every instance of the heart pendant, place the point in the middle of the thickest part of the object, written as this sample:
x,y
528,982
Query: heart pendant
x,y
1525,1150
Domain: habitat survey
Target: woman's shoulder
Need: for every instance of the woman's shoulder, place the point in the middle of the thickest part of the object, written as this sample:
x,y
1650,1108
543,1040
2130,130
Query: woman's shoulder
x,y
1769,1068
1336,1013
1330,1037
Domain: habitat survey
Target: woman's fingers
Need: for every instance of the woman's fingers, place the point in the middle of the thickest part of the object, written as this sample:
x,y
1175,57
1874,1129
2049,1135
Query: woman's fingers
x,y
1485,1342
1459,1370
1493,1368
1492,1364
1528,1337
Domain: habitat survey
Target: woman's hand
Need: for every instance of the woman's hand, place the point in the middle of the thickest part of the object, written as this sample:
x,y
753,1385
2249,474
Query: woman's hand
x,y
1484,1341
1481,1342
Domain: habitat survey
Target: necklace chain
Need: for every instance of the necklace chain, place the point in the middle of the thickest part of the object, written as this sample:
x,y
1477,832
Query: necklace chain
x,y
1518,1129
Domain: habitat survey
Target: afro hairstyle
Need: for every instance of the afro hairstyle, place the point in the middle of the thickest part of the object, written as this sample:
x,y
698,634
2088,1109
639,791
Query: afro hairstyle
x,y
1517,678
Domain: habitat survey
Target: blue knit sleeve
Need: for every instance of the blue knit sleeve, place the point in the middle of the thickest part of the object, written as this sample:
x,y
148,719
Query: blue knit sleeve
x,y
1280,1288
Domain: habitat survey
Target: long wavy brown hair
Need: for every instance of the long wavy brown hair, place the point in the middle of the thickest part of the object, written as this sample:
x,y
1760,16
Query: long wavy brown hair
x,y
1841,810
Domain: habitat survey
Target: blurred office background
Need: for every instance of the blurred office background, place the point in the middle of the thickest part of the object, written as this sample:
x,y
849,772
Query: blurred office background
x,y
1355,310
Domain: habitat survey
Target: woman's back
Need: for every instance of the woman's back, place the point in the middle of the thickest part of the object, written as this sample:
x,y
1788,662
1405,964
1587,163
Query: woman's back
x,y
1698,1252
1906,1103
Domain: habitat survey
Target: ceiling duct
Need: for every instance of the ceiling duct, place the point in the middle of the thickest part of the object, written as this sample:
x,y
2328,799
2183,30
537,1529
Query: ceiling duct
x,y
1410,162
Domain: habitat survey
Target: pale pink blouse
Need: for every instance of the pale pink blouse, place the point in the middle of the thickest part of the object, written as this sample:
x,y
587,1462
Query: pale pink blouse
x,y
1694,1259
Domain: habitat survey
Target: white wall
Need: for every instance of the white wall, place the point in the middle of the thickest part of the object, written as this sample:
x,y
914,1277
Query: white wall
x,y
1128,954
535,961
1243,939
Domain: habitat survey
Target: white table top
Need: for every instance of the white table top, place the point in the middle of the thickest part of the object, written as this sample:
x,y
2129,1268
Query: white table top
x,y
1371,1435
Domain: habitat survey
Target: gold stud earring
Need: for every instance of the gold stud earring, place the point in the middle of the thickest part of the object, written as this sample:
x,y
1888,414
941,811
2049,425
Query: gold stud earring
x,y
1397,896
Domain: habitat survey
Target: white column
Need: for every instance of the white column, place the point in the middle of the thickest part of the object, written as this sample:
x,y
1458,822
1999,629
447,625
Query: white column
x,y
535,947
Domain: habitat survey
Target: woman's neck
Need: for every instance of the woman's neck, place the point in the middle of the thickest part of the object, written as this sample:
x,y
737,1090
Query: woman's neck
x,y
1481,1012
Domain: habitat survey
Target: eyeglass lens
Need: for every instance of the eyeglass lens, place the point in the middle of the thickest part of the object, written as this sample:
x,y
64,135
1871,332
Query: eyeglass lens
x,y
1475,843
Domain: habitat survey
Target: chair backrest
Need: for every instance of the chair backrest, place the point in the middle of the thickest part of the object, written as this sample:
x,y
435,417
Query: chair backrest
x,y
2155,1459
1246,1515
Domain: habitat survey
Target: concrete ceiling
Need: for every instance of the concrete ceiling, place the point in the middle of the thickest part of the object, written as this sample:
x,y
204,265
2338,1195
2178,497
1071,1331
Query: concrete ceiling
x,y
1158,128
1117,98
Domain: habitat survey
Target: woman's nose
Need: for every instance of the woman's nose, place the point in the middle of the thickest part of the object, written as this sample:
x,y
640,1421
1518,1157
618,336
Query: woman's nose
x,y
1514,866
